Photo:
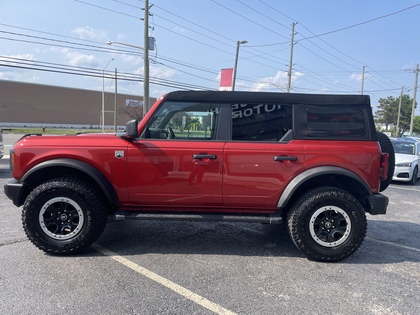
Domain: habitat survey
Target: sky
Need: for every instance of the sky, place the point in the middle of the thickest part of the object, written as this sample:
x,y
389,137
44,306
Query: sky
x,y
336,44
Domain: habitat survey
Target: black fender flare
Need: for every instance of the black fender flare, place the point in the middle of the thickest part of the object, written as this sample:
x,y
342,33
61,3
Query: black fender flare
x,y
313,172
84,167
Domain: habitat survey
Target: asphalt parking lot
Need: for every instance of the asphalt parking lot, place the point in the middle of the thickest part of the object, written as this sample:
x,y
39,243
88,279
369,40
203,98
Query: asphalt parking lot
x,y
156,267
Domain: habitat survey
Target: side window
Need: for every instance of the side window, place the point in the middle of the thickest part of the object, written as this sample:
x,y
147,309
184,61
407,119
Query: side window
x,y
333,122
260,122
184,120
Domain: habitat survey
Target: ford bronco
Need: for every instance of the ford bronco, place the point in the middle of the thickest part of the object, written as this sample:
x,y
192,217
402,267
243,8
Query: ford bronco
x,y
314,162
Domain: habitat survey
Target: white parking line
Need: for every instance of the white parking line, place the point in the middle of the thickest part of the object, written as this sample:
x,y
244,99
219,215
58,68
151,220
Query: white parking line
x,y
394,244
217,309
404,188
408,202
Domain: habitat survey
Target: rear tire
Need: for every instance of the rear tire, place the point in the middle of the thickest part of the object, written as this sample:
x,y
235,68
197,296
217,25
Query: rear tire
x,y
327,224
64,216
387,147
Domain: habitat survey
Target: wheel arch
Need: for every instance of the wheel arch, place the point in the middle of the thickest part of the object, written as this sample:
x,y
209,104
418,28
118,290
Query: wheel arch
x,y
325,176
67,167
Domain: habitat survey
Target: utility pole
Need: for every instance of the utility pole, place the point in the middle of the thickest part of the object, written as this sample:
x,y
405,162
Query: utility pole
x,y
363,79
235,67
414,99
146,99
115,103
289,73
397,132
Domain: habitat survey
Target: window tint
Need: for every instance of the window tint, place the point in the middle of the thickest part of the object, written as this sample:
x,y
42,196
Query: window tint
x,y
260,122
184,120
332,122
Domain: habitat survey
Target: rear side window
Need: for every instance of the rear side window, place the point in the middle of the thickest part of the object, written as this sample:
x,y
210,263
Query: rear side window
x,y
335,123
340,122
260,122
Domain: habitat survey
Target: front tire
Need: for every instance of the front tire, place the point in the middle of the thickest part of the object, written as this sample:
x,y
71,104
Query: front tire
x,y
327,224
64,216
414,176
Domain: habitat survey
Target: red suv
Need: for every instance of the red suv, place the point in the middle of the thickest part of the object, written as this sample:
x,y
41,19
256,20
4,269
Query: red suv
x,y
312,161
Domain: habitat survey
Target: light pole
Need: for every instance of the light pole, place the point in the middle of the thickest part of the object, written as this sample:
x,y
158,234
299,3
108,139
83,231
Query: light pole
x,y
103,95
238,43
146,101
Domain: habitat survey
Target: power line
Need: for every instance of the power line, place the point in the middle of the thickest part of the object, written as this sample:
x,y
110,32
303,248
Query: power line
x,y
249,20
362,23
89,72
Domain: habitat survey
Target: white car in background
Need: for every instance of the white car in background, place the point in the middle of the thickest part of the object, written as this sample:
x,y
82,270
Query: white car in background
x,y
1,144
406,160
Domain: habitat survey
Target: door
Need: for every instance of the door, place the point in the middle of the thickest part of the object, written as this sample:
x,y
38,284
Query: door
x,y
177,163
257,173
262,157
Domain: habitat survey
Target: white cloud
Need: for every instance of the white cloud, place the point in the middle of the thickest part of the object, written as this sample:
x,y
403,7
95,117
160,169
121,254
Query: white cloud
x,y
162,72
359,76
14,71
131,59
21,76
157,72
278,81
356,77
87,32
12,58
179,29
75,58
78,59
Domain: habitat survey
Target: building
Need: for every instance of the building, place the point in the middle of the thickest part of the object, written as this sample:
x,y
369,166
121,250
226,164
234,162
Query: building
x,y
36,105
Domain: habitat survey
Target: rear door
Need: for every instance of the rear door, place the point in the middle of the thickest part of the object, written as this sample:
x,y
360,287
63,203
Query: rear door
x,y
262,157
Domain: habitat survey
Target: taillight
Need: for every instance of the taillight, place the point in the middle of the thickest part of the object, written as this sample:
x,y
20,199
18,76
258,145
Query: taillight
x,y
383,170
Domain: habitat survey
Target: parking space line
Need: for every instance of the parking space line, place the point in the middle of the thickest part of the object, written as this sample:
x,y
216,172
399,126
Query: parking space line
x,y
393,244
404,188
188,294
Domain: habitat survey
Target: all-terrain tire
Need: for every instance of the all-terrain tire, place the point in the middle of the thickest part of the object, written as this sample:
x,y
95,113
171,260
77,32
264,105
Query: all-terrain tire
x,y
386,147
327,224
64,216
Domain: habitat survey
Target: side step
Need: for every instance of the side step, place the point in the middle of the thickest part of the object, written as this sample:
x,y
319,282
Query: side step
x,y
128,215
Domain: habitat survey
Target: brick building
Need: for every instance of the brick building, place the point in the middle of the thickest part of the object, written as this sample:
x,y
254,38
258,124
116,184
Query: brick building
x,y
36,105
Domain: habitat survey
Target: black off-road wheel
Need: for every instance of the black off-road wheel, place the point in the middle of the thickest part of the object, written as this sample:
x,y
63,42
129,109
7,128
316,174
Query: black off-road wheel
x,y
327,224
64,216
386,147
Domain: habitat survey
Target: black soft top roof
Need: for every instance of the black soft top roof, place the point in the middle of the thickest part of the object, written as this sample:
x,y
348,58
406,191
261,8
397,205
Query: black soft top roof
x,y
266,97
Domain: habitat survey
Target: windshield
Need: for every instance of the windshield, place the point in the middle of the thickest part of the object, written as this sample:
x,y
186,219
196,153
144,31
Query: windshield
x,y
403,147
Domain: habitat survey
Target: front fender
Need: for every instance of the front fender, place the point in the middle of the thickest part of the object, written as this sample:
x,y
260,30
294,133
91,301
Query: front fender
x,y
303,177
83,167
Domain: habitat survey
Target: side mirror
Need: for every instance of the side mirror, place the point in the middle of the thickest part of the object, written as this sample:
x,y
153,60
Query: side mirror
x,y
131,129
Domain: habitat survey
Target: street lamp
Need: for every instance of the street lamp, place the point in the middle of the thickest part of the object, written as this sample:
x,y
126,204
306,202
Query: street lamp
x,y
238,43
146,100
103,95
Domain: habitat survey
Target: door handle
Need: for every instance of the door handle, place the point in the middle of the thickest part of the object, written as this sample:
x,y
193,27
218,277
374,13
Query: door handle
x,y
201,156
284,158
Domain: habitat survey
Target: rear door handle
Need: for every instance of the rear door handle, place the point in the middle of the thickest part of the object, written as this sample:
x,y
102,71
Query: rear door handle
x,y
204,156
284,158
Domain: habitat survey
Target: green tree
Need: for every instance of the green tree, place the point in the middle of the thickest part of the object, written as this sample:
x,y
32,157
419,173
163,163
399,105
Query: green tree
x,y
387,113
416,125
